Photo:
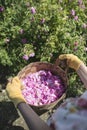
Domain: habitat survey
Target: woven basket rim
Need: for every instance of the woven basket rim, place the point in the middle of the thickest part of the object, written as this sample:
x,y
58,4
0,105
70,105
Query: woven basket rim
x,y
38,63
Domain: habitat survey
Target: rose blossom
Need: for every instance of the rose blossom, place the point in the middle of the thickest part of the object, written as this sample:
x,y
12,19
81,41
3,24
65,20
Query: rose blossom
x,y
42,20
32,55
25,57
24,40
76,18
80,2
21,31
73,12
1,9
33,10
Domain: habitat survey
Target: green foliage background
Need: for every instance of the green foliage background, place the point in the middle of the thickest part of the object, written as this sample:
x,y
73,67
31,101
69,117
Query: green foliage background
x,y
51,31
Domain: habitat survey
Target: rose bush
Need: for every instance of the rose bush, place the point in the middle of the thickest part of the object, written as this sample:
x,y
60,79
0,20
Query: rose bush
x,y
41,30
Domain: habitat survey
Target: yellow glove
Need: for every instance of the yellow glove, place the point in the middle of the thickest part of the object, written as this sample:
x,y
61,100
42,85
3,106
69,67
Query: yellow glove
x,y
14,91
72,60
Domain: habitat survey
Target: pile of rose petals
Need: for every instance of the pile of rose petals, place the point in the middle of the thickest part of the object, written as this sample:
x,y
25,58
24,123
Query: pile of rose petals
x,y
42,88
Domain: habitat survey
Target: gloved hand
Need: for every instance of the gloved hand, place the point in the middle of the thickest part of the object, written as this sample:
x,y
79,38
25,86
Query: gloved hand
x,y
72,60
14,91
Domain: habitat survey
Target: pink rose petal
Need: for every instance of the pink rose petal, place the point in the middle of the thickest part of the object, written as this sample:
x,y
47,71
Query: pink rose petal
x,y
42,88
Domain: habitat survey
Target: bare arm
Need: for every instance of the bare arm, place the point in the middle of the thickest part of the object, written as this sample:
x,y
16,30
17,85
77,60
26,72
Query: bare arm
x,y
32,119
82,72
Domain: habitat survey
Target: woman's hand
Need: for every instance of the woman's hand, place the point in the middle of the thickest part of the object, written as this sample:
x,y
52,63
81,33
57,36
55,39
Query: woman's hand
x,y
14,91
72,60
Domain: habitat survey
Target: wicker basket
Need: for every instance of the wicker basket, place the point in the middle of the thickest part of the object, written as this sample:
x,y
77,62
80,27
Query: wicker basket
x,y
56,70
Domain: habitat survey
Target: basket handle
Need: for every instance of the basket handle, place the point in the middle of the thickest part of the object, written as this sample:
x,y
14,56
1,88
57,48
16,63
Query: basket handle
x,y
62,64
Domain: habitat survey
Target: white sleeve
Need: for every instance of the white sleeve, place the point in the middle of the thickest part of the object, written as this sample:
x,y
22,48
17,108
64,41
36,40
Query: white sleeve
x,y
71,115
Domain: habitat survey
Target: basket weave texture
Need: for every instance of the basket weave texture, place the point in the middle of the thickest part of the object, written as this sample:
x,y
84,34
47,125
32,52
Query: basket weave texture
x,y
56,70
